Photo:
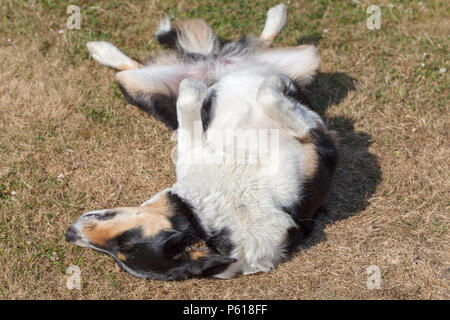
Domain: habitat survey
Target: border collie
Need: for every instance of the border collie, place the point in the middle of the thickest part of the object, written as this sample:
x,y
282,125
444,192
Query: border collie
x,y
226,214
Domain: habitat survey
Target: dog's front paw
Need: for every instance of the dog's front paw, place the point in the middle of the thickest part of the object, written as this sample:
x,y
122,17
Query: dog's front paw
x,y
192,92
277,84
273,87
272,92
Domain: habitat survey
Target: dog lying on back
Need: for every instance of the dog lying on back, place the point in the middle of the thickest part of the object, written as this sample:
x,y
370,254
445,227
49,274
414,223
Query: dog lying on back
x,y
223,216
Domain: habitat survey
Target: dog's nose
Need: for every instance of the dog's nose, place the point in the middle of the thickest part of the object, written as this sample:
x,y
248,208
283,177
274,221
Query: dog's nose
x,y
72,235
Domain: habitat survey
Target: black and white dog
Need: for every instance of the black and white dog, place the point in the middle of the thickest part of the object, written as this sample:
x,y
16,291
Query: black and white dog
x,y
223,216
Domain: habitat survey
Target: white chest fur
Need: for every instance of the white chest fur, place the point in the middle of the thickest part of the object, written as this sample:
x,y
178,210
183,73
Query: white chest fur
x,y
247,200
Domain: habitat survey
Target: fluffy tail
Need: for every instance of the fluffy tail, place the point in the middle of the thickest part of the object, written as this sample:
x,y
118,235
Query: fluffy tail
x,y
189,36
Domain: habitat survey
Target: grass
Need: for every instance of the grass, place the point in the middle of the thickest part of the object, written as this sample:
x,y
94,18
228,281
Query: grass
x,y
70,143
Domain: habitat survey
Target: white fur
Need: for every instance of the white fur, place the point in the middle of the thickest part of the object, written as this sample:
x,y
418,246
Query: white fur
x,y
275,22
164,26
243,198
191,94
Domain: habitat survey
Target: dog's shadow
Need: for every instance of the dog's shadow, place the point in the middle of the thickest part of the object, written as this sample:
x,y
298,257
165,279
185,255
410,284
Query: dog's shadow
x,y
358,172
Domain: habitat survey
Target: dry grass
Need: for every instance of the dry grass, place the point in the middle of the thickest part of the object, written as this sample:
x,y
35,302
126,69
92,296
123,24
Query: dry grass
x,y
70,143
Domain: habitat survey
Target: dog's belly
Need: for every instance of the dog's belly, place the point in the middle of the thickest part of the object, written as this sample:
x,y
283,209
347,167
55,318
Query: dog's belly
x,y
236,104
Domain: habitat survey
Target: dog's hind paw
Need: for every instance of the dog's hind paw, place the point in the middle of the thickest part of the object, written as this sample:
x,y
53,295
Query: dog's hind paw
x,y
164,26
275,22
107,54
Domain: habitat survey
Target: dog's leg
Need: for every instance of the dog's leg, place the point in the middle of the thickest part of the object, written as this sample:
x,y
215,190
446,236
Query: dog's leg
x,y
154,89
299,63
192,92
275,22
290,114
108,55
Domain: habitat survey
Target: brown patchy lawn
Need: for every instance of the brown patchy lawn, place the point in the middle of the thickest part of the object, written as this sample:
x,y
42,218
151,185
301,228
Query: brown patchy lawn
x,y
70,143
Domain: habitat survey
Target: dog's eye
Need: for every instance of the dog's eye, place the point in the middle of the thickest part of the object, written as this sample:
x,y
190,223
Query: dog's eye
x,y
93,215
101,216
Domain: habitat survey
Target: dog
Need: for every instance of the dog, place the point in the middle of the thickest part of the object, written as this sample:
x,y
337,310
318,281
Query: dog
x,y
220,218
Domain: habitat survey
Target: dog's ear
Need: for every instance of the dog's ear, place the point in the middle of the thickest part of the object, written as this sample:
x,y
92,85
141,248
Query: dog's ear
x,y
179,243
198,259
202,267
186,247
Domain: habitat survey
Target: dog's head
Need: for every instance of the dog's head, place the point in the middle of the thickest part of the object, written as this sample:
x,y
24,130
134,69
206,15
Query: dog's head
x,y
160,240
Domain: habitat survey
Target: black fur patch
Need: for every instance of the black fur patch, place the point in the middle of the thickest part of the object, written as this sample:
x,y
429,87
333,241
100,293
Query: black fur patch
x,y
326,149
297,93
314,192
126,238
191,57
242,47
220,242
144,257
184,219
168,38
204,267
207,111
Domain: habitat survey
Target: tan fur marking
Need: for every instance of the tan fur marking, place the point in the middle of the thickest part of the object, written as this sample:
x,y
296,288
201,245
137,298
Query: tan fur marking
x,y
197,250
121,256
309,159
152,218
194,255
161,206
